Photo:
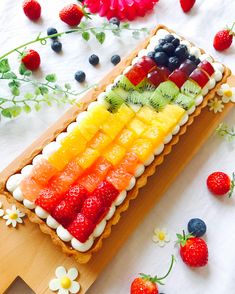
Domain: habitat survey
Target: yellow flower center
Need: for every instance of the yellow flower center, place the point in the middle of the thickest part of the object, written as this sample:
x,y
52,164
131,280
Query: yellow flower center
x,y
13,215
65,282
161,236
228,93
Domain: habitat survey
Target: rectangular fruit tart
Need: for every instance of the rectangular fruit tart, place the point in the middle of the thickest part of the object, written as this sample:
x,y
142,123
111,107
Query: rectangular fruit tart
x,y
79,184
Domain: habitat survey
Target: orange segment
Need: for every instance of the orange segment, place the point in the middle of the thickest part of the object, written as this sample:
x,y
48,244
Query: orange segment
x,y
112,127
63,180
90,181
100,141
126,138
114,154
74,142
142,148
136,126
119,179
125,113
101,167
30,188
129,163
60,158
87,158
42,171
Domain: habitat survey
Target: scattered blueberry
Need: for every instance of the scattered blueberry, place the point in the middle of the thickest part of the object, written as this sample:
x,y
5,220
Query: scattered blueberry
x,y
168,48
197,227
161,58
173,63
115,59
175,42
94,59
181,52
56,46
80,76
151,54
169,38
114,21
194,59
159,48
162,42
52,31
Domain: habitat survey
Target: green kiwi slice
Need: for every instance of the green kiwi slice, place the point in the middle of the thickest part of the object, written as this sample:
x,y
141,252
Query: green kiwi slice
x,y
184,101
191,89
168,90
114,100
157,101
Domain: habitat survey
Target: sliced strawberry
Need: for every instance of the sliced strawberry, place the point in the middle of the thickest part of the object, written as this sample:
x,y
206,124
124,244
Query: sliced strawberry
x,y
68,208
48,200
93,209
106,192
81,228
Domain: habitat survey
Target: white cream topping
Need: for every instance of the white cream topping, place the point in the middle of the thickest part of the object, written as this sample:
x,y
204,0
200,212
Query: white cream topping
x,y
184,120
159,149
195,51
198,100
186,43
167,139
191,110
81,116
131,184
142,53
26,171
139,170
121,197
49,149
111,212
63,234
217,75
127,69
40,212
218,66
99,228
205,91
52,223
211,84
61,136
71,127
82,247
149,160
162,33
37,159
29,204
18,195
206,57
176,130
13,182
135,60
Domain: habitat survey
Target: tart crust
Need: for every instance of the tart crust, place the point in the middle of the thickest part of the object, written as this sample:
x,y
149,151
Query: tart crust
x,y
61,125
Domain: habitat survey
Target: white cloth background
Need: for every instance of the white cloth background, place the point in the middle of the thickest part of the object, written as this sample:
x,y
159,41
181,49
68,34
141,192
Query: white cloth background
x,y
188,196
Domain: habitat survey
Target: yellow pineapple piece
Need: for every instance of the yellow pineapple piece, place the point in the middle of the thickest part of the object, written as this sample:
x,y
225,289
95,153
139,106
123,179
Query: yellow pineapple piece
x,y
112,126
114,154
100,141
143,148
74,142
146,114
174,111
126,138
99,114
154,135
87,158
125,113
165,126
137,126
88,128
60,158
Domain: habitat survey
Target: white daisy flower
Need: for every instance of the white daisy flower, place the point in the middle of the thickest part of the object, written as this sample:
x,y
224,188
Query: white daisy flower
x,y
216,105
1,210
227,93
161,237
64,282
13,216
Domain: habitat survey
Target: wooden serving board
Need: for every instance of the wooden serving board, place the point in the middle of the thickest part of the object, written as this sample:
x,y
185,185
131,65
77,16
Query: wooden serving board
x,y
28,253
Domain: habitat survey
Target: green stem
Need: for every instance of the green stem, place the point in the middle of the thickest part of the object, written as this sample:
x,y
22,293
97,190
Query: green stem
x,y
169,270
42,40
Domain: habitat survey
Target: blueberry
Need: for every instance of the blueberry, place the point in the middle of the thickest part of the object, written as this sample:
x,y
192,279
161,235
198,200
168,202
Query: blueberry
x,y
168,48
114,21
115,59
94,59
56,46
181,52
194,59
151,54
161,58
158,48
197,227
173,63
169,38
80,76
52,31
162,42
175,42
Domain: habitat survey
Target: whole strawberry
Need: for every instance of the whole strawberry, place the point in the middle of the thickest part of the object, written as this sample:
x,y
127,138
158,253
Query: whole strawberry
x,y
72,14
32,9
187,5
31,59
145,284
220,184
193,250
224,39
